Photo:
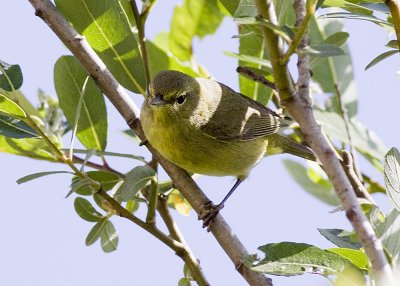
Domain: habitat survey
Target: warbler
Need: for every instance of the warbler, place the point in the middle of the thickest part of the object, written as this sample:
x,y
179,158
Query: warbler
x,y
205,127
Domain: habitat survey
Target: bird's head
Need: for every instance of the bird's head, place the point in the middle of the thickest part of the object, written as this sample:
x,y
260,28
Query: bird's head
x,y
173,92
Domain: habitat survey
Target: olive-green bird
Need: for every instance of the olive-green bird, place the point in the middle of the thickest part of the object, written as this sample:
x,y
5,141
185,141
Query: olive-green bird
x,y
205,127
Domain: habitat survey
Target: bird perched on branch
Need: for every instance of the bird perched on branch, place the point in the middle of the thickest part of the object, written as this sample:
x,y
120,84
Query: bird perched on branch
x,y
205,127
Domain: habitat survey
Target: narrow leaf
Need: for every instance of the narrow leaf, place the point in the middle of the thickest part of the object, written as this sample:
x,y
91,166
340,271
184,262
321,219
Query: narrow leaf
x,y
39,175
97,231
106,153
325,50
10,76
290,258
135,180
341,238
9,107
31,148
381,57
109,238
86,211
15,128
69,78
106,179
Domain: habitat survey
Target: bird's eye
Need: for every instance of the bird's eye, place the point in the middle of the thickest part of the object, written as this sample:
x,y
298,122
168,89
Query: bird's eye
x,y
181,99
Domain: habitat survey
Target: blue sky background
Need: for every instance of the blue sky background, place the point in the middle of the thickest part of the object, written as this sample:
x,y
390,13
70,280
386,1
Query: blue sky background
x,y
43,240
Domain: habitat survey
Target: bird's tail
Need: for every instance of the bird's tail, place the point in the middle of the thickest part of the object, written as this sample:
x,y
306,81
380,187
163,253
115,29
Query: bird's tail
x,y
279,144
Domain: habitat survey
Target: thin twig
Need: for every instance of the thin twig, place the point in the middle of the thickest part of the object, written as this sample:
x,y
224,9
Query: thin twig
x,y
300,107
152,198
301,30
256,77
358,187
140,24
176,234
129,111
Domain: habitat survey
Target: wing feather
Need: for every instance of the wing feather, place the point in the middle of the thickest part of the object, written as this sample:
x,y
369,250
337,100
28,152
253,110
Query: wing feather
x,y
238,117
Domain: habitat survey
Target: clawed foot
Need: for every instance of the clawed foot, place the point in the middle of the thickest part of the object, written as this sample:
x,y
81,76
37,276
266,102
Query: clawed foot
x,y
208,214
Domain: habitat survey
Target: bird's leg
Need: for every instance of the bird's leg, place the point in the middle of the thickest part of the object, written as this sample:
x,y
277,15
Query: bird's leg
x,y
210,211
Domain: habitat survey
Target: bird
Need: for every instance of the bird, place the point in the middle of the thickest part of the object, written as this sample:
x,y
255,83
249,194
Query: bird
x,y
205,127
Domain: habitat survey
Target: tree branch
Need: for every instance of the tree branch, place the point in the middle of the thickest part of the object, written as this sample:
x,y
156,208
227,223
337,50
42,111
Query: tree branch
x,y
300,106
394,8
130,112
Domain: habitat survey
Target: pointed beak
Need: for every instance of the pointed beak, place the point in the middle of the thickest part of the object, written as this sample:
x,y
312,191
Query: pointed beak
x,y
158,100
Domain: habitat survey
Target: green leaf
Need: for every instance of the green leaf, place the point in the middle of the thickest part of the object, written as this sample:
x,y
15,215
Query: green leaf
x,y
192,18
86,211
312,183
255,21
349,6
381,57
391,171
338,39
109,238
184,282
357,257
19,98
343,15
108,27
10,76
325,50
39,175
341,238
132,206
15,128
333,74
135,180
252,48
32,148
107,153
69,77
392,44
97,231
230,5
290,258
251,60
79,182
106,179
246,8
365,140
388,231
160,57
10,108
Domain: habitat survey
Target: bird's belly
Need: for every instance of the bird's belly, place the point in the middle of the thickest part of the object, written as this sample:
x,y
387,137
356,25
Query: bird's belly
x,y
199,153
